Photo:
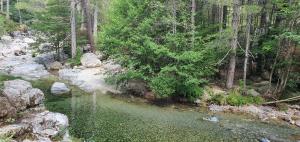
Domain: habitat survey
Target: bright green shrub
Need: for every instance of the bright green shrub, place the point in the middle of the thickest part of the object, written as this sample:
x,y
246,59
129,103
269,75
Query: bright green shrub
x,y
219,99
236,99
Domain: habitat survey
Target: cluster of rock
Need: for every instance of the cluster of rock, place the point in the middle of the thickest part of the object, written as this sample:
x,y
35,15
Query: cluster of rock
x,y
292,115
16,58
23,104
90,76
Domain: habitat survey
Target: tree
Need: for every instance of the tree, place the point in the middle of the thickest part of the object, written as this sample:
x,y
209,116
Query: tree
x,y
95,21
248,37
2,3
234,43
89,27
193,13
73,28
7,9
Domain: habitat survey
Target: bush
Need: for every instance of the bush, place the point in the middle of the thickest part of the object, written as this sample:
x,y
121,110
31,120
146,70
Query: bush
x,y
76,61
236,99
219,99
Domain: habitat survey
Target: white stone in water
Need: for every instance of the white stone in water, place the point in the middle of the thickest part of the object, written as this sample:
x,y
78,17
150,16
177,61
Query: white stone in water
x,y
28,40
59,88
90,60
264,140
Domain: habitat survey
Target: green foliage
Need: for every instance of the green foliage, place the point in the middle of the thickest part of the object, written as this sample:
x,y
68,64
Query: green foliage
x,y
76,60
236,99
54,21
140,36
6,25
219,99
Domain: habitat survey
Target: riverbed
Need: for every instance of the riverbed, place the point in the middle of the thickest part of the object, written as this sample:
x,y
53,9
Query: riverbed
x,y
101,117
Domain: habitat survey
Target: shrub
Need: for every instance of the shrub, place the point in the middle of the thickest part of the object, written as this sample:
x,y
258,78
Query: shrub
x,y
236,99
219,99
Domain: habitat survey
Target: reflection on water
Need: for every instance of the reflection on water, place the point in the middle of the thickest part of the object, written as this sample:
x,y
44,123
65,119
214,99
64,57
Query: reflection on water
x,y
100,118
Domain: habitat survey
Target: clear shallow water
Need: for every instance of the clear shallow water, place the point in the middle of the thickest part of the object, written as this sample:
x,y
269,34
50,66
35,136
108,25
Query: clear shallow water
x,y
101,117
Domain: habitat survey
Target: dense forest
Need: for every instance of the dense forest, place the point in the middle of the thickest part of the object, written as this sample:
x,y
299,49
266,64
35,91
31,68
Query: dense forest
x,y
175,47
150,70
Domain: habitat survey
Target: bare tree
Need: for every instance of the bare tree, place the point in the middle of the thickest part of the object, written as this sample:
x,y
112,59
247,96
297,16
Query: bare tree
x,y
174,13
73,28
89,27
234,42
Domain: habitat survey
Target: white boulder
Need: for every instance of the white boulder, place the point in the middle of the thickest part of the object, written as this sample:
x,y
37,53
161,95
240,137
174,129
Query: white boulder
x,y
28,40
59,88
90,60
21,94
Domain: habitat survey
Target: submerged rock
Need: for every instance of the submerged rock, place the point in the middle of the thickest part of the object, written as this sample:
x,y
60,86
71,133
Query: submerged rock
x,y
90,60
59,88
264,140
212,119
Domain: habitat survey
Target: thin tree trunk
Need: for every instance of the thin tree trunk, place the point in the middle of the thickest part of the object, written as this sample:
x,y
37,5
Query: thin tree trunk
x,y
193,13
2,3
248,37
89,26
20,16
235,26
82,25
174,8
7,9
95,25
73,28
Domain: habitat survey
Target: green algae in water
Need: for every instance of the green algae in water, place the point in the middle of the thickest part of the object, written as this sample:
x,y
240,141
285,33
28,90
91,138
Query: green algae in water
x,y
101,117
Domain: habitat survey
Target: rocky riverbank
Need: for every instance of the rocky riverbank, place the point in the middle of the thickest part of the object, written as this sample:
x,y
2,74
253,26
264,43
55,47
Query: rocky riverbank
x,y
22,114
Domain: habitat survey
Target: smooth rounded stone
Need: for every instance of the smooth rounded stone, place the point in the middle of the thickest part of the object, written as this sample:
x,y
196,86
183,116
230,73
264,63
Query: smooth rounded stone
x,y
297,123
59,88
55,66
45,47
90,60
212,119
14,129
253,93
21,94
29,40
6,109
264,140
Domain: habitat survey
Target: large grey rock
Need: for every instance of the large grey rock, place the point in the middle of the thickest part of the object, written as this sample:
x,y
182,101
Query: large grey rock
x,y
297,122
56,66
252,92
6,38
90,60
59,88
47,124
14,129
30,71
6,109
21,94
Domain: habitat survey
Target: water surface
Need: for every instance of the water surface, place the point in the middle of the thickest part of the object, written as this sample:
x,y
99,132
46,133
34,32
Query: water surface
x,y
100,117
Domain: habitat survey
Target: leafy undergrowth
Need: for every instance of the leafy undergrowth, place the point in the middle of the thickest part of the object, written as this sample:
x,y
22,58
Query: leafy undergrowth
x,y
235,98
6,25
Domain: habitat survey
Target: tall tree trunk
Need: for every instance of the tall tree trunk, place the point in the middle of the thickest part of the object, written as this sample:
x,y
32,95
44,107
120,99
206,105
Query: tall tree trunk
x,y
95,23
2,3
193,14
7,9
20,16
89,27
225,11
174,13
73,28
248,37
235,26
